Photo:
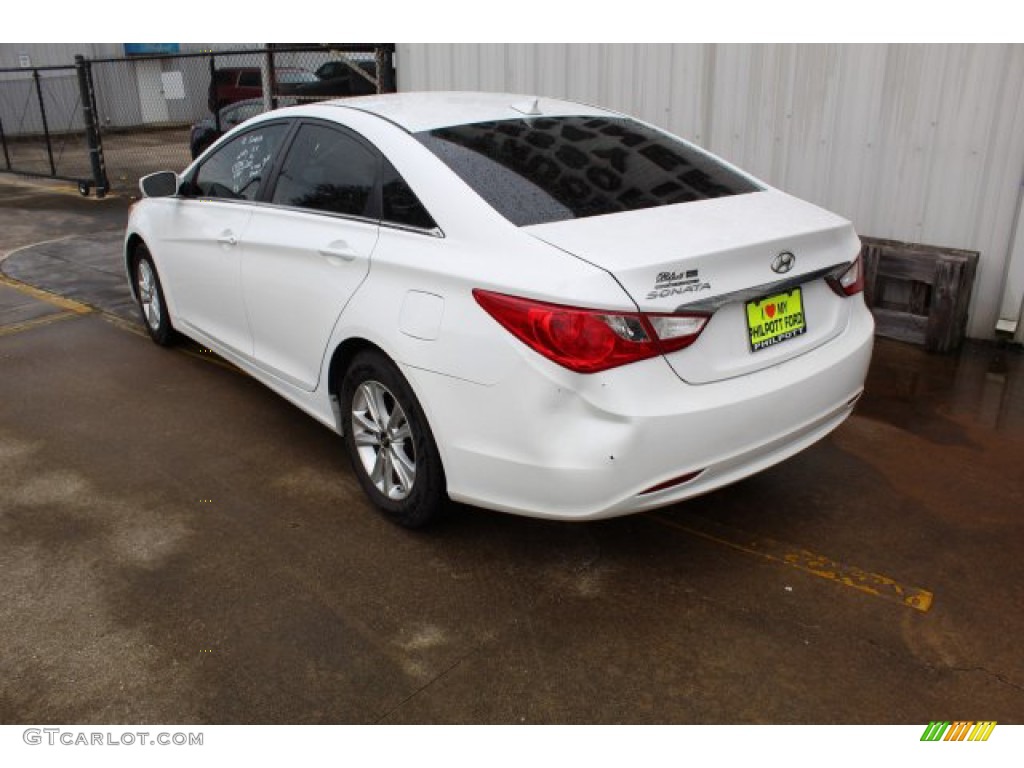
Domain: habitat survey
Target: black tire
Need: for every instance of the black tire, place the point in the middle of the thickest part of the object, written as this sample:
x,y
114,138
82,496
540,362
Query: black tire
x,y
150,297
410,504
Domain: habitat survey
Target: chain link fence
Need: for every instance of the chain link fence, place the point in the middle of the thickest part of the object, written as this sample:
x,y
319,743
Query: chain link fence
x,y
106,122
42,132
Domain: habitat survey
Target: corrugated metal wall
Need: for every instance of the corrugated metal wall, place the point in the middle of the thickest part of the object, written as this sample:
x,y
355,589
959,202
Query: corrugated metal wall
x,y
923,143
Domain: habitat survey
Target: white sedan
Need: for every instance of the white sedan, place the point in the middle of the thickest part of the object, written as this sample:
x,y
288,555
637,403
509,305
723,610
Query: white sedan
x,y
524,304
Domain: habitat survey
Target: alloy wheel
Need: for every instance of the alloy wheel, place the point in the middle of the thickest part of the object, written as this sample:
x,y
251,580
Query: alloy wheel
x,y
149,297
383,440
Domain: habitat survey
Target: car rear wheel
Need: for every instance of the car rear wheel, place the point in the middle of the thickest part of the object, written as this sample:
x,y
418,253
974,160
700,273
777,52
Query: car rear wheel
x,y
150,296
389,443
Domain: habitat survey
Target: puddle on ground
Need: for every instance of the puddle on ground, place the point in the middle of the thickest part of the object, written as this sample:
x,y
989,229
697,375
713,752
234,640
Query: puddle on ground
x,y
935,396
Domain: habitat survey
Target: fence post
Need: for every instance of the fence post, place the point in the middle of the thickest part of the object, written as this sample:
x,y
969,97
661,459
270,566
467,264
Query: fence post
x,y
211,102
3,140
386,68
269,78
92,134
46,128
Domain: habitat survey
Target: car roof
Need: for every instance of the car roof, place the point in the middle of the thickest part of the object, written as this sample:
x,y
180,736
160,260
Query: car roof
x,y
424,111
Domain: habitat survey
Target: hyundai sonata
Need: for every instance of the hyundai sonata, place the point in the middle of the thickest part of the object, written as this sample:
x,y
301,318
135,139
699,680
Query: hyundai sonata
x,y
525,304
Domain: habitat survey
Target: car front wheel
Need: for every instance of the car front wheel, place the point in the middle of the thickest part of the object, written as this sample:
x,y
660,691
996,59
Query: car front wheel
x,y
150,296
392,450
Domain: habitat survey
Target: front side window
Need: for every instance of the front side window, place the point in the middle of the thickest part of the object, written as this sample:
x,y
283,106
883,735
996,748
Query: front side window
x,y
327,170
544,169
250,79
236,170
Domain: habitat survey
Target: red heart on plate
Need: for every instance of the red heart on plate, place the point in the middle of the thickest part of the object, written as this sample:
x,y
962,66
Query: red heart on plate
x,y
770,311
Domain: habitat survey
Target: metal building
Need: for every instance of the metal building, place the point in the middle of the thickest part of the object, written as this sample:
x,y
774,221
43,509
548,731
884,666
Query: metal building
x,y
920,143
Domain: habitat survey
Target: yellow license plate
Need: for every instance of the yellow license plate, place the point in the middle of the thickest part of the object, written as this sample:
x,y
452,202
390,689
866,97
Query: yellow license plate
x,y
775,319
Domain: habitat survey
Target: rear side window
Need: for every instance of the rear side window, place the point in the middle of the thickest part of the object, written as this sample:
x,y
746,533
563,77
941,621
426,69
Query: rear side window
x,y
401,206
539,170
236,170
327,170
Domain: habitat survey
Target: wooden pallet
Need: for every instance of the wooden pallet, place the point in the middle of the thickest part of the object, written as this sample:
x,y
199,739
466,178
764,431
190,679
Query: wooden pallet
x,y
918,293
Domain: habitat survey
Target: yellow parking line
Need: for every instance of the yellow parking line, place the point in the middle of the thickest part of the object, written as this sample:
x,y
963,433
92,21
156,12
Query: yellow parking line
x,y
10,330
848,575
75,308
211,357
202,354
124,325
50,298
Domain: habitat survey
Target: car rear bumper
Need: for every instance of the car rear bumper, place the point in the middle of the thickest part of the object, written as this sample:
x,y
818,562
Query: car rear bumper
x,y
548,443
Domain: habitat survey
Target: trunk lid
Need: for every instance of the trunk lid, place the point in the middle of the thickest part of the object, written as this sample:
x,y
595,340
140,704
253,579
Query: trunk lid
x,y
717,255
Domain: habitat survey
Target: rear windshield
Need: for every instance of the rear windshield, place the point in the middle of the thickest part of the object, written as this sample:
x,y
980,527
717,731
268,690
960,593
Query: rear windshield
x,y
539,170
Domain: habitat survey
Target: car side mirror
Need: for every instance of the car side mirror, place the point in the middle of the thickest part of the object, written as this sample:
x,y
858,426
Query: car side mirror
x,y
160,184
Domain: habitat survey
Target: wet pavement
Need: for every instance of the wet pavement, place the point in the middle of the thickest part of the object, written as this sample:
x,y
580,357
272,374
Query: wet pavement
x,y
127,156
178,544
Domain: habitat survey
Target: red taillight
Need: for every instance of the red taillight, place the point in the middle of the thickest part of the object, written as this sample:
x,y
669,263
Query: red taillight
x,y
590,340
849,281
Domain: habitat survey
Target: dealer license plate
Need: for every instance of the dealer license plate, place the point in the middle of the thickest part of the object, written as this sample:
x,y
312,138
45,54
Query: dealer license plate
x,y
775,319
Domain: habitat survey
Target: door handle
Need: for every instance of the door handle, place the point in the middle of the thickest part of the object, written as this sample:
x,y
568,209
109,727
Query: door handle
x,y
227,238
339,249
